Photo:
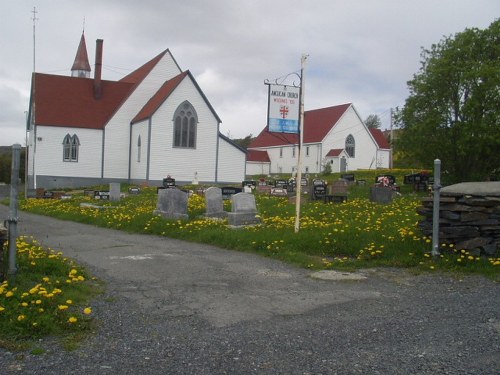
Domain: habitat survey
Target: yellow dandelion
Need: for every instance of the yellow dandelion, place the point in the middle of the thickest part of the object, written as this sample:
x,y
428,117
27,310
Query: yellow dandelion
x,y
87,310
9,294
72,319
20,318
62,307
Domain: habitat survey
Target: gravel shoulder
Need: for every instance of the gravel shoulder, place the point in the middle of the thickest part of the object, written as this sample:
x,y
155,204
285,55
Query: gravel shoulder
x,y
173,307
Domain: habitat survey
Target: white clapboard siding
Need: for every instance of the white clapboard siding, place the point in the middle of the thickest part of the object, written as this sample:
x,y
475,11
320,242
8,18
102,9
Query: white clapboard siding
x,y
183,163
258,168
49,152
139,155
117,131
231,165
365,146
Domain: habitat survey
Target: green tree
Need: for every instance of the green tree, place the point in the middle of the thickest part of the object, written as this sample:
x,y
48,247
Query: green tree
x,y
244,142
373,122
453,111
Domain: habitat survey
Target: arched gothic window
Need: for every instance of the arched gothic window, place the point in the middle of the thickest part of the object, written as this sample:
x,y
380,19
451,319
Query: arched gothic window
x,y
139,149
350,146
71,144
185,122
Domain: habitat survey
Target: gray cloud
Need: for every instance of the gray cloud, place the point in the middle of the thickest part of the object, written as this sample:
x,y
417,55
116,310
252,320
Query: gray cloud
x,y
362,52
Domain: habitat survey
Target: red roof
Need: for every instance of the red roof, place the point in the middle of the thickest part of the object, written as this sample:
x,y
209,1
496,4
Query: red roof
x,y
81,58
335,152
380,139
258,156
139,74
317,124
157,99
69,101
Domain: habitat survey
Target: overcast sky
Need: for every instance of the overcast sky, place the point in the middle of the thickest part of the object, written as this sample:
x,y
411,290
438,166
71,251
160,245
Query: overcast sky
x,y
360,51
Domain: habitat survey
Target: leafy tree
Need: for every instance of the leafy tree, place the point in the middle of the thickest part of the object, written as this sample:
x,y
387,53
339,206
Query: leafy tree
x,y
373,122
244,142
453,111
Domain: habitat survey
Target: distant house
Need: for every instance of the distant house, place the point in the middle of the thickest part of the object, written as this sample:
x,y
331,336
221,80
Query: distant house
x,y
154,122
334,135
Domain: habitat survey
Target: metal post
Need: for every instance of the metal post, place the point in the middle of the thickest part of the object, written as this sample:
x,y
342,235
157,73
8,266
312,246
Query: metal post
x,y
391,162
298,181
12,220
435,212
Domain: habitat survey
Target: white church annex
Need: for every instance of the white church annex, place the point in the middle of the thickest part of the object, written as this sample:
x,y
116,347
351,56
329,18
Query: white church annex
x,y
154,122
334,135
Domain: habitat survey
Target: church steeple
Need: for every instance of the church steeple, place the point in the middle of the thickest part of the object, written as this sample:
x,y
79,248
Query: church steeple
x,y
81,66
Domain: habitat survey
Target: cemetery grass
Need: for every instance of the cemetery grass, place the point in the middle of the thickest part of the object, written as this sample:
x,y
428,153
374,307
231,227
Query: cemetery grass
x,y
48,296
349,236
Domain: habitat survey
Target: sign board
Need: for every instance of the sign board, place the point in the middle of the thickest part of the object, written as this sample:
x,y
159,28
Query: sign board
x,y
283,109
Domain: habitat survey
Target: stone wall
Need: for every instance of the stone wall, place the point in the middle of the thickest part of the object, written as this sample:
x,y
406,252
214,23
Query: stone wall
x,y
469,217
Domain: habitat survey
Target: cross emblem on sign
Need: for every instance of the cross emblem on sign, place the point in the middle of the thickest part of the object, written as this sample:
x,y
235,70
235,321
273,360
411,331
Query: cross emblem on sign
x,y
284,111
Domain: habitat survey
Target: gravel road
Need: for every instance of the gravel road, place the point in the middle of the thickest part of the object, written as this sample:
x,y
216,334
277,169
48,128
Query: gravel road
x,y
173,307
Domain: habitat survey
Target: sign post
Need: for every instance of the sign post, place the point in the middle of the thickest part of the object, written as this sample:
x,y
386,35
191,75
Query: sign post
x,y
301,139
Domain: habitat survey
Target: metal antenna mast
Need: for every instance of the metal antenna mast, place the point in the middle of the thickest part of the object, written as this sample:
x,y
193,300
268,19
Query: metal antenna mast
x,y
34,18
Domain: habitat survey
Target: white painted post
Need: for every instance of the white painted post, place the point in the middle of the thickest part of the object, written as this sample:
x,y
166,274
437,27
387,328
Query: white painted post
x,y
435,212
298,179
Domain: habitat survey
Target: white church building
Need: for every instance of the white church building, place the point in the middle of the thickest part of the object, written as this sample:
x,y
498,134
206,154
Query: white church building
x,y
335,135
153,123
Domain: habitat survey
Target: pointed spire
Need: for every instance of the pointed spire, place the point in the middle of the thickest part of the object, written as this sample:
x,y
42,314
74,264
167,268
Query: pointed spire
x,y
81,66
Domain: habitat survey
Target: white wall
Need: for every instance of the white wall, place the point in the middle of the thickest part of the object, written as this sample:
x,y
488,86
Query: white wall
x,y
231,166
258,168
49,152
182,163
118,129
138,166
365,148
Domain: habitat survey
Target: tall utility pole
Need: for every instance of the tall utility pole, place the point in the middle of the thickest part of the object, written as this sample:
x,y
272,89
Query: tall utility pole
x,y
31,121
392,140
298,181
34,18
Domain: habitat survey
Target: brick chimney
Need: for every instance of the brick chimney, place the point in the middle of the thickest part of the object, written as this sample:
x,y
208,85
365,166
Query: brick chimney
x,y
98,69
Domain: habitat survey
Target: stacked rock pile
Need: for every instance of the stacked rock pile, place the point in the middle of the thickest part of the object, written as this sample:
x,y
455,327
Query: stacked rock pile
x,y
469,217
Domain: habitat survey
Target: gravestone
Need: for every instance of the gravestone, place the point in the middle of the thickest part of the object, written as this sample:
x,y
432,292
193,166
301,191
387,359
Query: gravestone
x,y
279,192
88,193
244,210
250,183
172,204
101,195
229,191
169,182
134,190
31,193
319,191
114,191
215,206
349,177
381,194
